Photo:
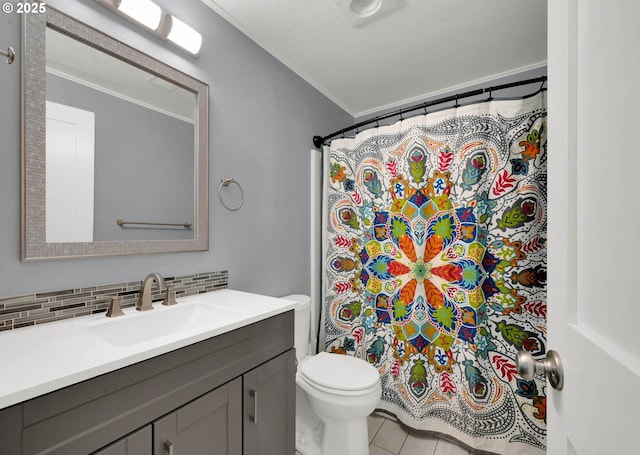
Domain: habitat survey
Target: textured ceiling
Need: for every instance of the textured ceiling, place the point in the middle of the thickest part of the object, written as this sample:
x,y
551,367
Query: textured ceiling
x,y
411,50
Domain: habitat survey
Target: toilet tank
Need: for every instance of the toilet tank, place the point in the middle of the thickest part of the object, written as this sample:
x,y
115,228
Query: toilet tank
x,y
302,319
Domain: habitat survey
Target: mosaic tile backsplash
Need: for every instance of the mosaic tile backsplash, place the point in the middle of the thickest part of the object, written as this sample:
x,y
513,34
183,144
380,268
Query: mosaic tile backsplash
x,y
31,309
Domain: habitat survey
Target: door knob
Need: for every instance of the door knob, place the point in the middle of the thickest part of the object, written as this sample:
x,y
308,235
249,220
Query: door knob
x,y
551,367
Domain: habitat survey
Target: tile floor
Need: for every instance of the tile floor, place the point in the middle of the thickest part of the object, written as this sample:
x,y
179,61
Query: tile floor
x,y
387,437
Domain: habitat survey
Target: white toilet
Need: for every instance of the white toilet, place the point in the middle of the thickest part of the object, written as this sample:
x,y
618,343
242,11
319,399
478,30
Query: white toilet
x,y
334,395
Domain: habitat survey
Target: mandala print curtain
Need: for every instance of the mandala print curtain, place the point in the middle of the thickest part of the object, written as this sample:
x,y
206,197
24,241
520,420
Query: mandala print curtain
x,y
435,268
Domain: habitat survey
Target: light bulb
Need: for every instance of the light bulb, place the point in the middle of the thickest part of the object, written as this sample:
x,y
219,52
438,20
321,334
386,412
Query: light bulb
x,y
144,11
184,36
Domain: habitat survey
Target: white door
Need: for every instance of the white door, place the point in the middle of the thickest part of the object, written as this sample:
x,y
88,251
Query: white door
x,y
594,225
69,173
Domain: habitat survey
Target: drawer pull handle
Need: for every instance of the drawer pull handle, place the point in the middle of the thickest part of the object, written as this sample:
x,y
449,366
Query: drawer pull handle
x,y
168,446
254,394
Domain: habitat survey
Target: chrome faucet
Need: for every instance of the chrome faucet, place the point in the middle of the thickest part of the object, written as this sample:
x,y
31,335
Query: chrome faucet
x,y
144,299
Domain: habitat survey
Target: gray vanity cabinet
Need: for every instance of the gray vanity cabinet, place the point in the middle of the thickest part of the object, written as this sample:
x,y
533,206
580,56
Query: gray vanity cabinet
x,y
209,425
138,443
198,400
269,408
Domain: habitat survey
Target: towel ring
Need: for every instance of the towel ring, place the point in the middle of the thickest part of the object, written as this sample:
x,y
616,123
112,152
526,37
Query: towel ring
x,y
225,181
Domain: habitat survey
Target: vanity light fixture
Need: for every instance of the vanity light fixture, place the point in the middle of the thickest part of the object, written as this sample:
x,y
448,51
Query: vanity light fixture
x,y
184,36
143,11
160,22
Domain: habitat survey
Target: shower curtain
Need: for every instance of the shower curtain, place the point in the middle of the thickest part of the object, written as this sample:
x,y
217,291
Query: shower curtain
x,y
435,268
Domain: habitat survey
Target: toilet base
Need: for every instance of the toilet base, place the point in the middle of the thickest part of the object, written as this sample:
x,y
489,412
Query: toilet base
x,y
307,447
345,437
331,437
309,428
338,437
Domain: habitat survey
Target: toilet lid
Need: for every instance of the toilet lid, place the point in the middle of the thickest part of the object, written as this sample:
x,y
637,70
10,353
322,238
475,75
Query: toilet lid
x,y
339,372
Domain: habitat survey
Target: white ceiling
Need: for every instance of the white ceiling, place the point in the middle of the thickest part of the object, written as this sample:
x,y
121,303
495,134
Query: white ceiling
x,y
410,50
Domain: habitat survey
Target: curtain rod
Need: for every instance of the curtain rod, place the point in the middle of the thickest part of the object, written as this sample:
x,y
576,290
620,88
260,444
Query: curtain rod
x,y
318,141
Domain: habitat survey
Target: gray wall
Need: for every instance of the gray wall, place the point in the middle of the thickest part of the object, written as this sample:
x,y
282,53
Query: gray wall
x,y
143,164
513,92
263,117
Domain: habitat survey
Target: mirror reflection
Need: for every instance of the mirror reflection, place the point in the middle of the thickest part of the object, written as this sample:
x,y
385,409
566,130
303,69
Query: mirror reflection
x,y
109,134
119,146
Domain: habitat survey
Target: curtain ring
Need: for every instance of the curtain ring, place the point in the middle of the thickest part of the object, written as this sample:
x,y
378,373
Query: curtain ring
x,y
225,181
490,93
457,104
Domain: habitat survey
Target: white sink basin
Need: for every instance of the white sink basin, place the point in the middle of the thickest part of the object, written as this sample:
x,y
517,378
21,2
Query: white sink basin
x,y
137,327
50,356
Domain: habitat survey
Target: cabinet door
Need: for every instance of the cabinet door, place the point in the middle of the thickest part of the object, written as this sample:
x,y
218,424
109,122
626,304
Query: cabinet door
x,y
209,425
269,397
137,443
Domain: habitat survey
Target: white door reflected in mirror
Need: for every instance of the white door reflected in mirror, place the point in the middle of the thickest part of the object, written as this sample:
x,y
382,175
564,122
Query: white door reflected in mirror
x,y
69,173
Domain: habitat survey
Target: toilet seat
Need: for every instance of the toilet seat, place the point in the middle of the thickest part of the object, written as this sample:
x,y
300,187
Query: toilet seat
x,y
339,374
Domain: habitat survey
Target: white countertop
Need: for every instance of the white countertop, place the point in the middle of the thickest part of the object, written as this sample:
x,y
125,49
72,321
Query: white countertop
x,y
40,359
